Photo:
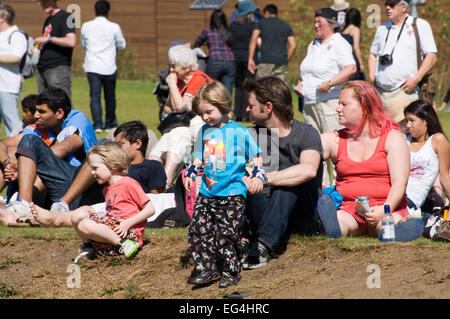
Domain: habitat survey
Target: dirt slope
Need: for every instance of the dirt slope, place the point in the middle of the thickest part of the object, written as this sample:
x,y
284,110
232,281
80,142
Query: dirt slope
x,y
31,268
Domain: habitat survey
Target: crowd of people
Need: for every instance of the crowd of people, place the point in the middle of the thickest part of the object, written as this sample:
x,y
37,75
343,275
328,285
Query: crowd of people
x,y
258,184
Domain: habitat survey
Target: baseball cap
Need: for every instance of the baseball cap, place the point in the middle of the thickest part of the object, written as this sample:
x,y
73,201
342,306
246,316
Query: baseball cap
x,y
397,1
327,13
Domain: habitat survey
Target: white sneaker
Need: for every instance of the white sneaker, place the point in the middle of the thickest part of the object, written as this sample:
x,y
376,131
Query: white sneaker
x,y
22,208
257,258
85,253
129,248
60,206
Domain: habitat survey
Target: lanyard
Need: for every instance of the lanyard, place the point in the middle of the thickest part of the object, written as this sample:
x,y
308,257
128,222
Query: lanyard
x,y
398,37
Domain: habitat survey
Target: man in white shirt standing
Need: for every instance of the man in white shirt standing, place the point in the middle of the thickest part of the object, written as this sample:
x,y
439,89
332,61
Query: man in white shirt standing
x,y
393,55
101,38
13,45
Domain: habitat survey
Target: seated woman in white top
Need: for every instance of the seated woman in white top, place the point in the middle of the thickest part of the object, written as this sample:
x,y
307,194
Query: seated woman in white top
x,y
429,154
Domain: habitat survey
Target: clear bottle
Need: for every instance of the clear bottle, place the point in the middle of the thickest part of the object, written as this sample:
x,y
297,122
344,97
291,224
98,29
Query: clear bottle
x,y
387,225
35,55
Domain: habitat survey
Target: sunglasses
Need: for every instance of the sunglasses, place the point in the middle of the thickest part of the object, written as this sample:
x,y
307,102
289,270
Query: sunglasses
x,y
391,4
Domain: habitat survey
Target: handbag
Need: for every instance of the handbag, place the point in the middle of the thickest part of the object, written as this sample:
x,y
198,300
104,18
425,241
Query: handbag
x,y
175,119
428,84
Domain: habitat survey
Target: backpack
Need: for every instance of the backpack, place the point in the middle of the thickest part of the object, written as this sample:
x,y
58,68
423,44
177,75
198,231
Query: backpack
x,y
429,83
181,214
26,66
438,226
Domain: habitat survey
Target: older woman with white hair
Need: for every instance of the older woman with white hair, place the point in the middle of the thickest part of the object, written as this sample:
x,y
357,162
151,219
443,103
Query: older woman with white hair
x,y
183,80
328,64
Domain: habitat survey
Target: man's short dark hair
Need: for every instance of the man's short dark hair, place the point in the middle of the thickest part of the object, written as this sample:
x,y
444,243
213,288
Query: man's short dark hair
x,y
133,131
7,12
29,103
55,98
274,90
102,8
271,9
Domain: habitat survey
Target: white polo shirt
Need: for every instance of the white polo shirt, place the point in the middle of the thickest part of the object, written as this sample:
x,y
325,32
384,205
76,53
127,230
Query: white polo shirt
x,y
391,77
10,78
323,62
101,38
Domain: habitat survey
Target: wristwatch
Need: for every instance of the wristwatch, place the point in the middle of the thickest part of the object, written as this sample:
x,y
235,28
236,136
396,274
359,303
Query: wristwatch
x,y
265,181
330,83
49,38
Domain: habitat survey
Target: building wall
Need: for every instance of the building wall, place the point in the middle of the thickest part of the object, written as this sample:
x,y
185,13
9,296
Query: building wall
x,y
148,25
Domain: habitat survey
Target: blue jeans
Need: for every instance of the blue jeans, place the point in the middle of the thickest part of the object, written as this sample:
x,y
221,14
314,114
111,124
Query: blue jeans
x,y
108,82
55,173
59,76
274,213
222,71
9,112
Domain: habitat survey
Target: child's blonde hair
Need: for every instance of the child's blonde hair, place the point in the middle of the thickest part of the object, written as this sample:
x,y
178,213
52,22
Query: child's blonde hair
x,y
214,93
113,155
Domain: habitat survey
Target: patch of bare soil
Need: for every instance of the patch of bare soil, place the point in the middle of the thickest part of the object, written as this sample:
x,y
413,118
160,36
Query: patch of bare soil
x,y
32,268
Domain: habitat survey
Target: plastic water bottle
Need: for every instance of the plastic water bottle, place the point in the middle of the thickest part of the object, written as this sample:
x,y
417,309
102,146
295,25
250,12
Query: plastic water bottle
x,y
387,225
35,55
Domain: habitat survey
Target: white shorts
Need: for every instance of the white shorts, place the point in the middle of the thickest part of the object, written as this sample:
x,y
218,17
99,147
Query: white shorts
x,y
322,115
179,141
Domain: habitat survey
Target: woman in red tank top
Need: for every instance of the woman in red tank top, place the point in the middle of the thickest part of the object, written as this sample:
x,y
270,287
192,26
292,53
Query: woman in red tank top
x,y
371,158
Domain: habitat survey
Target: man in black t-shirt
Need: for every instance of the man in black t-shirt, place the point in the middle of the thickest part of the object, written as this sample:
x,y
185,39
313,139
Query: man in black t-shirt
x,y
292,154
56,44
275,35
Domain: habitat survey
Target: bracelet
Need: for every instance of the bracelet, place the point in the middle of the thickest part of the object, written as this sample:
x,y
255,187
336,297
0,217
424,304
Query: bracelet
x,y
192,171
7,159
258,171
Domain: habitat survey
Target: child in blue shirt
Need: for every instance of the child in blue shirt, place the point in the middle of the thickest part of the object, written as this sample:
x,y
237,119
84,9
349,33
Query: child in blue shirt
x,y
224,148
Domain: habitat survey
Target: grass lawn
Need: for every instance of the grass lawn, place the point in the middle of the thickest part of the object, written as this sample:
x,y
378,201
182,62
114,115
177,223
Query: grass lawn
x,y
63,233
135,101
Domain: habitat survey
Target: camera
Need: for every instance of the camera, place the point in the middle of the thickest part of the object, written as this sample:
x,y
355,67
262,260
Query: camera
x,y
386,59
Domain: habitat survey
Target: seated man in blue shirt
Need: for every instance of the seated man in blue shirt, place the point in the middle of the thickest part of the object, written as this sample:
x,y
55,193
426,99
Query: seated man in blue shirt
x,y
56,164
